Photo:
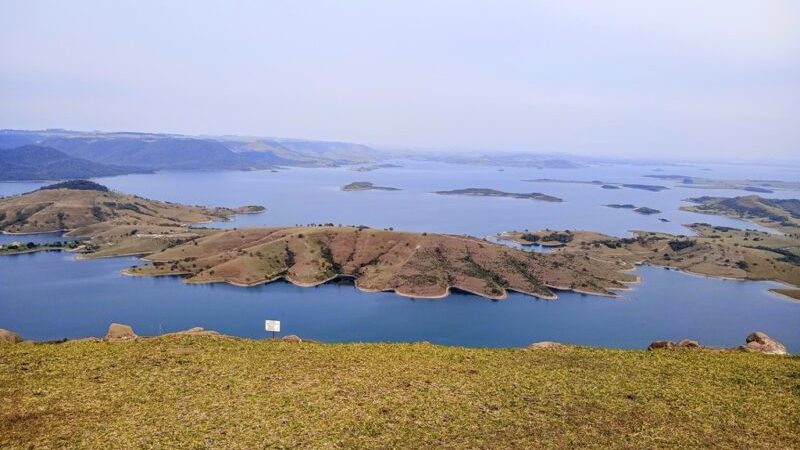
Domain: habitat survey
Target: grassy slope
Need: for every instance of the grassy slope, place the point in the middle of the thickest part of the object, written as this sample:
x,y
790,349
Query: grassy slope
x,y
189,392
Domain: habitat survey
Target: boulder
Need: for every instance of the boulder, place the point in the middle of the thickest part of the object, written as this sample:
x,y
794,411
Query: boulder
x,y
197,331
761,343
661,344
120,332
291,338
548,345
9,337
688,343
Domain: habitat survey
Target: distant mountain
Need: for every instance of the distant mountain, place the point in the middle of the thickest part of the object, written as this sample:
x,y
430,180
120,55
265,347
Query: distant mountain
x,y
35,162
169,151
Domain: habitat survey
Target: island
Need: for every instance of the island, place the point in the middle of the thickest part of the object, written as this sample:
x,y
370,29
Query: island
x,y
641,210
602,184
483,192
366,186
644,210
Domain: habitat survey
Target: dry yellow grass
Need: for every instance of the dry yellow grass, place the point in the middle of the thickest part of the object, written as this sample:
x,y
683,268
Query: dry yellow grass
x,y
193,392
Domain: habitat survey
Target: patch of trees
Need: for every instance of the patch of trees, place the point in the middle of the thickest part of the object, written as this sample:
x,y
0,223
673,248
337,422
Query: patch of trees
x,y
81,185
678,245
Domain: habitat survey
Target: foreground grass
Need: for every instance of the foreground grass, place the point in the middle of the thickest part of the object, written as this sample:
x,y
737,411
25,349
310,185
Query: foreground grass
x,y
206,392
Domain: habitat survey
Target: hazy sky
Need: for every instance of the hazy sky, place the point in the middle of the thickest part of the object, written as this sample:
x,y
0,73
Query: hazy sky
x,y
710,78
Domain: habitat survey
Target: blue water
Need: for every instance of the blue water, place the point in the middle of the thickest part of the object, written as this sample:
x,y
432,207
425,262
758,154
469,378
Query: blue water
x,y
302,196
51,296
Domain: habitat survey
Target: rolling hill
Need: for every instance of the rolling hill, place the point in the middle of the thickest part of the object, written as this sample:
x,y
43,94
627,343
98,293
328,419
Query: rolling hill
x,y
36,162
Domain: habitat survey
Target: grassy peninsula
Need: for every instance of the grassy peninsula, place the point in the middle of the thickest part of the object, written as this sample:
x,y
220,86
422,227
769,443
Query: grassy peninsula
x,y
218,392
714,251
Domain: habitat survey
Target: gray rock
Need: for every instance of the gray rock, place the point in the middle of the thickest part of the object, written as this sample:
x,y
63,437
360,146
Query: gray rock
x,y
291,338
688,343
9,337
120,332
548,345
759,342
661,344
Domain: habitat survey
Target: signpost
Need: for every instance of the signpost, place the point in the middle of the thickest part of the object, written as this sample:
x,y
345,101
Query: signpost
x,y
273,325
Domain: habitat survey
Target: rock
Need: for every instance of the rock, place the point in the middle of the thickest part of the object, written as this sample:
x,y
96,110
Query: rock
x,y
688,343
661,344
761,343
198,331
9,337
548,345
291,338
120,332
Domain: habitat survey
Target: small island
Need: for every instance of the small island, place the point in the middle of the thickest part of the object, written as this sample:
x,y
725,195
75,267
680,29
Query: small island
x,y
366,186
373,167
483,192
646,211
602,184
641,209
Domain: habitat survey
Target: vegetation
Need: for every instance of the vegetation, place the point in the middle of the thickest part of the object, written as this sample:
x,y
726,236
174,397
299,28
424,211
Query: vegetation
x,y
216,392
79,185
30,247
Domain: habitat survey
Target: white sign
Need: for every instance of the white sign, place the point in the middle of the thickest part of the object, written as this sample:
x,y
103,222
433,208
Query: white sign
x,y
273,325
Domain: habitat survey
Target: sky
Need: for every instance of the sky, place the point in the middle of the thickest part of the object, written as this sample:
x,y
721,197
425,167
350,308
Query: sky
x,y
624,78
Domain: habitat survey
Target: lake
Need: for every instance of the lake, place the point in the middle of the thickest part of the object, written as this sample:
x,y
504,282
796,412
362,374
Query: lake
x,y
52,296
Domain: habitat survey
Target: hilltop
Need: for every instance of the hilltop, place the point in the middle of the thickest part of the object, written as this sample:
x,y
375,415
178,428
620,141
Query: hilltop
x,y
187,391
35,162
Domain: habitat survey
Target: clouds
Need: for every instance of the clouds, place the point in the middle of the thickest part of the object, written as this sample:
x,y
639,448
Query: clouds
x,y
591,77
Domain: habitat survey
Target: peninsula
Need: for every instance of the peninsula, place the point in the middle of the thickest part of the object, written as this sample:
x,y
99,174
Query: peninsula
x,y
715,251
483,192
759,186
780,214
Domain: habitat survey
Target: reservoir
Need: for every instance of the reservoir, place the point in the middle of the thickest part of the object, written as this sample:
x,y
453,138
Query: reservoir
x,y
52,296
